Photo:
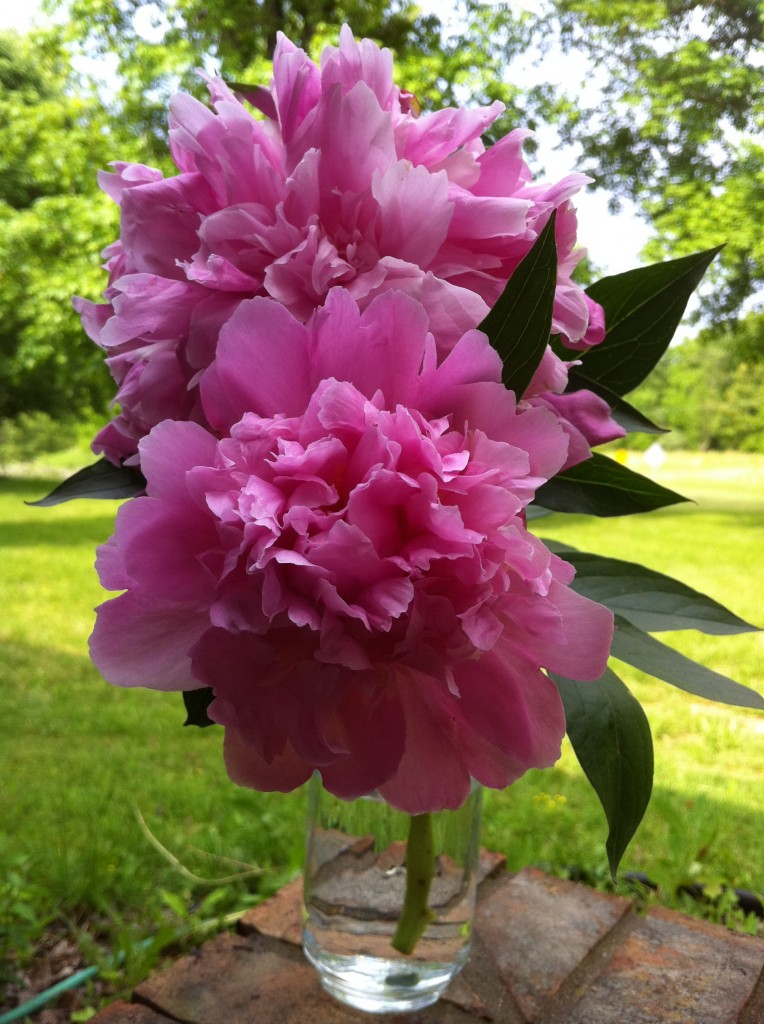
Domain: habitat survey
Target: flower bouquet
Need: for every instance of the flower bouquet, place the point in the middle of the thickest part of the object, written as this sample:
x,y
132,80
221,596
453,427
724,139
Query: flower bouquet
x,y
352,367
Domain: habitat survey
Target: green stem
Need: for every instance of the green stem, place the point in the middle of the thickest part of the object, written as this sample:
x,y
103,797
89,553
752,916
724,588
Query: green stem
x,y
420,868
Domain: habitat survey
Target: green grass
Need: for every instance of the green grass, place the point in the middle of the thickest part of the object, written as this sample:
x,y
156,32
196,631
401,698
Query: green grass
x,y
78,756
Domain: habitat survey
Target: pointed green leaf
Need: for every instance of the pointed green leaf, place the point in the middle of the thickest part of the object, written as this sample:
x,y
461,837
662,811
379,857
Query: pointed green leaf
x,y
643,309
519,324
197,702
637,648
101,480
611,737
602,487
648,599
631,419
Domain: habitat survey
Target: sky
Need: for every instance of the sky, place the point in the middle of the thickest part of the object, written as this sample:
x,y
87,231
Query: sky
x,y
613,241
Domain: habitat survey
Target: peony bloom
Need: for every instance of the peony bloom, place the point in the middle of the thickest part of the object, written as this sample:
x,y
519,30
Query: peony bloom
x,y
348,566
342,184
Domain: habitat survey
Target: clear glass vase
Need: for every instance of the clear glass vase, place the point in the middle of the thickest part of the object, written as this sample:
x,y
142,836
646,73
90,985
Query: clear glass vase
x,y
370,871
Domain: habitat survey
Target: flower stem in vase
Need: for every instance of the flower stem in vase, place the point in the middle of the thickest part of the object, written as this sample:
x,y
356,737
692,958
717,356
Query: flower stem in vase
x,y
420,868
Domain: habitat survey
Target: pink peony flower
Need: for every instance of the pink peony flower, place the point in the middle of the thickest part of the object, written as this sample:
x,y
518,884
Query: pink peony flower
x,y
348,567
341,185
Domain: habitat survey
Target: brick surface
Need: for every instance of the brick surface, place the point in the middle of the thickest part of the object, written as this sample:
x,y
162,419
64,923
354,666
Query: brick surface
x,y
669,969
235,979
545,951
536,930
280,916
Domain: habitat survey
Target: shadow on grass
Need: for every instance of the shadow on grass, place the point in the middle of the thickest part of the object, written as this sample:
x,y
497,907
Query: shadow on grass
x,y
73,523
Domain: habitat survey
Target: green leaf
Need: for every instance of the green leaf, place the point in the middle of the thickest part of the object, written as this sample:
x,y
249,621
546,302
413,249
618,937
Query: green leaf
x,y
519,324
602,487
631,419
611,737
648,599
197,702
101,480
643,308
637,648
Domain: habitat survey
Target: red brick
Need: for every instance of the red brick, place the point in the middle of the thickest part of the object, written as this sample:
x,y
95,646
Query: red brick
x,y
129,1013
280,916
235,979
670,969
536,930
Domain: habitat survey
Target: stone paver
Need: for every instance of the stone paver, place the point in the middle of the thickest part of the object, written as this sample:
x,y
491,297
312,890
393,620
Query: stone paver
x,y
545,951
669,969
538,929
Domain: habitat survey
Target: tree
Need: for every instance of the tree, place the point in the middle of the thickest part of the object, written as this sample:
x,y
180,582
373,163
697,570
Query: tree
x,y
54,136
710,388
677,125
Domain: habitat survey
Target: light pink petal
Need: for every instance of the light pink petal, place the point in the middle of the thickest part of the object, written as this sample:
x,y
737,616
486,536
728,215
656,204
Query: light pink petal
x,y
94,316
169,451
355,137
588,632
414,212
160,221
433,137
571,313
359,61
596,328
451,310
261,365
126,176
486,217
390,332
296,86
587,413
145,526
503,171
146,304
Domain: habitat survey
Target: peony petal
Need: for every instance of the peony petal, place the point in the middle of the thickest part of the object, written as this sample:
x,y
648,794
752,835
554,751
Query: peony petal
x,y
141,641
246,766
431,773
261,365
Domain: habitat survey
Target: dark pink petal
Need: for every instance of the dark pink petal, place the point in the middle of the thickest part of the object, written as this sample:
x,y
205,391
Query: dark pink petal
x,y
431,773
141,641
247,767
512,716
371,728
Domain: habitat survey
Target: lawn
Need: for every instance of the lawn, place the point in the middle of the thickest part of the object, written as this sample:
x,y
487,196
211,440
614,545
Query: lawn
x,y
79,758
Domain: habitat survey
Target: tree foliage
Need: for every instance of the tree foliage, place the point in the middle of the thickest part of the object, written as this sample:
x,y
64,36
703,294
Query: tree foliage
x,y
710,388
676,126
674,129
54,135
160,45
